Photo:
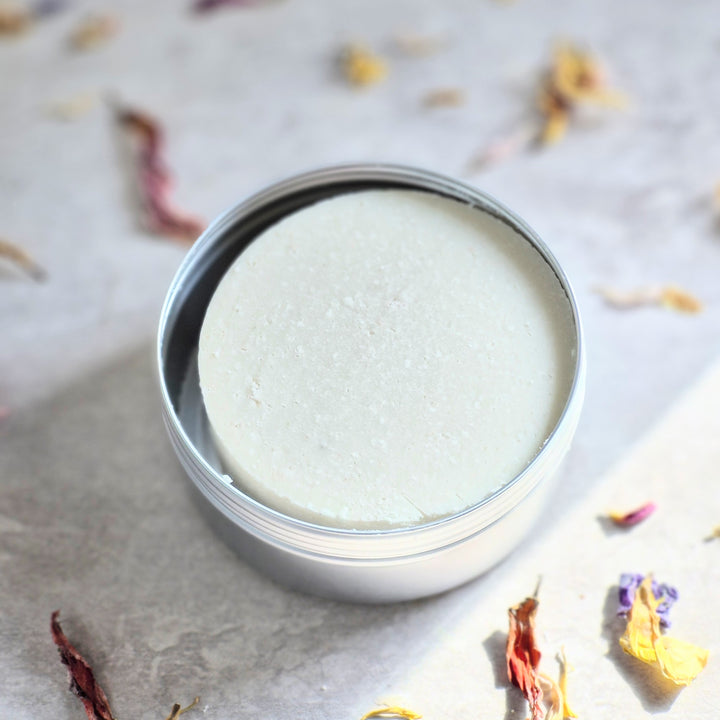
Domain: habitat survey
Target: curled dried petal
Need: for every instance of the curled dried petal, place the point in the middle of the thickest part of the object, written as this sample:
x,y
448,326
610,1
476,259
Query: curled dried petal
x,y
177,711
154,180
565,667
634,516
575,77
523,656
82,678
669,296
552,697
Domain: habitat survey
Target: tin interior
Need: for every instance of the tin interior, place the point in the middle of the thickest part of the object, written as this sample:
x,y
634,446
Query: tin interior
x,y
221,244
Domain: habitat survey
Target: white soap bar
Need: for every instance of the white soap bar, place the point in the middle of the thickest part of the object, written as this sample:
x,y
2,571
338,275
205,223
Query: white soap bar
x,y
384,358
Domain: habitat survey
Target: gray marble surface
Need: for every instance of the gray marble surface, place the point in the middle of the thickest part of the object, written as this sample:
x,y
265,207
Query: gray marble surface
x,y
95,517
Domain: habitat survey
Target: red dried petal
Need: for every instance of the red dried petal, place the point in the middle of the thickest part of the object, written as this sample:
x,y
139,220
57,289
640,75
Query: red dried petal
x,y
155,181
82,678
523,656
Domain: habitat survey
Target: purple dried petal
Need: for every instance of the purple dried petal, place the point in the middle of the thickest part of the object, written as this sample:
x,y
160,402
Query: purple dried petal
x,y
666,594
629,583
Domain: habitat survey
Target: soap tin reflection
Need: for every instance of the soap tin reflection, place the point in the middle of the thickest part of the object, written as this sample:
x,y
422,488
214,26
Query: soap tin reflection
x,y
355,565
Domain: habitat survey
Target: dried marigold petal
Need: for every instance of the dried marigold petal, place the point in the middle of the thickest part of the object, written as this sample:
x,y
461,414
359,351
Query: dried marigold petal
x,y
565,667
678,299
677,660
361,67
392,711
552,697
574,78
634,516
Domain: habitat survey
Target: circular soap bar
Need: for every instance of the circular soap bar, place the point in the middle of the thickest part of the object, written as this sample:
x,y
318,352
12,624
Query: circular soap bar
x,y
384,358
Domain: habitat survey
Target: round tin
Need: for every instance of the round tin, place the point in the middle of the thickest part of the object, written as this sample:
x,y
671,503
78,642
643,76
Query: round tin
x,y
353,565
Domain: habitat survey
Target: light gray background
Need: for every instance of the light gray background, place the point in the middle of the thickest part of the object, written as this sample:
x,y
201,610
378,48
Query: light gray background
x,y
95,516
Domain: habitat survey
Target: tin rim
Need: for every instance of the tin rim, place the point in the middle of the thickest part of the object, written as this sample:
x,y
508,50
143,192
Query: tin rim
x,y
307,538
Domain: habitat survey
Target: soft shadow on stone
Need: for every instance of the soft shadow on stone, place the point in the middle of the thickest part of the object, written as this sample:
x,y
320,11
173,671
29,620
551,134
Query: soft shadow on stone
x,y
656,693
611,528
96,519
515,704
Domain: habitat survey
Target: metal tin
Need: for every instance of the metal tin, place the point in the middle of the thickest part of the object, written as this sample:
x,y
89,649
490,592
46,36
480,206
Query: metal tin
x,y
353,565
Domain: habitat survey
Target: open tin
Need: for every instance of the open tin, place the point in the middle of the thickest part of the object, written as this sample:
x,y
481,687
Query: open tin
x,y
354,565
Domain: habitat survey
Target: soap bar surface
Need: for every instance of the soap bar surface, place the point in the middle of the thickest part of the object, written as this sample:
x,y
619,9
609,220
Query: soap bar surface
x,y
384,358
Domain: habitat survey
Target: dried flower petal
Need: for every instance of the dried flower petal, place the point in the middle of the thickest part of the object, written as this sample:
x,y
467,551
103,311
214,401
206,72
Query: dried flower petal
x,y
74,107
574,78
18,256
565,667
444,97
82,678
177,711
677,660
392,712
670,297
666,595
522,654
154,179
714,535
14,20
634,516
361,67
676,298
420,45
93,31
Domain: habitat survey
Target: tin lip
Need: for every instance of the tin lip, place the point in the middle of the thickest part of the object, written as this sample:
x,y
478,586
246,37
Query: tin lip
x,y
285,530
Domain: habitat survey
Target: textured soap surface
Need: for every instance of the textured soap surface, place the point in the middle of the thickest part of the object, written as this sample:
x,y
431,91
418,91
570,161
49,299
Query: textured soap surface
x,y
384,358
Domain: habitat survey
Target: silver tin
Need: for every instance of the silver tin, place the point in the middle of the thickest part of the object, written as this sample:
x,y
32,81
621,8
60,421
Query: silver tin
x,y
352,565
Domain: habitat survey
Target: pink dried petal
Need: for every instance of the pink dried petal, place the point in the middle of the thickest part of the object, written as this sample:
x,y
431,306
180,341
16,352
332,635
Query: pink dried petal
x,y
635,516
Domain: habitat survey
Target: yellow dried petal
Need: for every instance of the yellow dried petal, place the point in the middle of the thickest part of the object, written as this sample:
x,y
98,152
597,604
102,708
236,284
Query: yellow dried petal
x,y
555,127
392,711
361,67
562,682
680,661
677,660
676,298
